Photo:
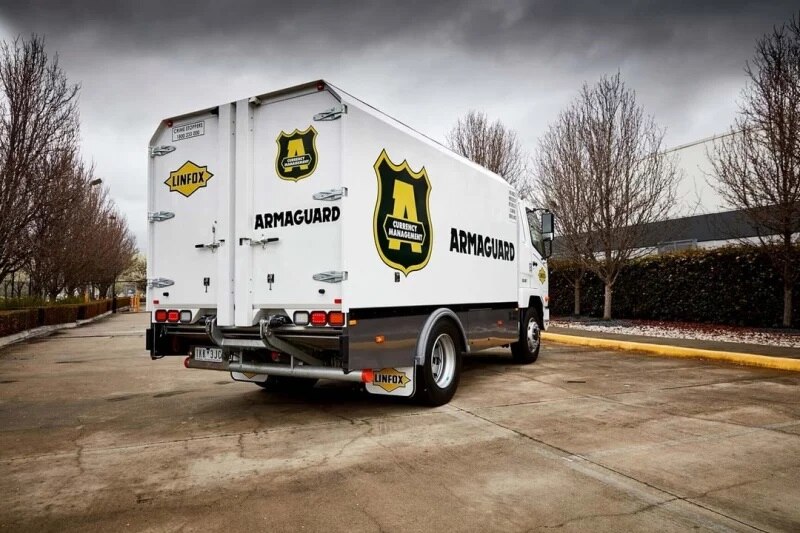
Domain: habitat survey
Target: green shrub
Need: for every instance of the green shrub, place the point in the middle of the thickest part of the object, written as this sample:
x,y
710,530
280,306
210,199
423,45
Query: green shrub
x,y
732,285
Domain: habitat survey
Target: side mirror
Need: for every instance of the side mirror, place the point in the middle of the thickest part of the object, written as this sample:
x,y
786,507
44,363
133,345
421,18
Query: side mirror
x,y
547,226
547,248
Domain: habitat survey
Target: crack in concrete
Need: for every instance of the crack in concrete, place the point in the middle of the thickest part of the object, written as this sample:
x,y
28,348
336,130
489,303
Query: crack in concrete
x,y
240,445
153,444
767,427
640,510
609,476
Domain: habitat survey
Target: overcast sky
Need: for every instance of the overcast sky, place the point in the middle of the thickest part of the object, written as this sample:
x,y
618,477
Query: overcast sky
x,y
423,62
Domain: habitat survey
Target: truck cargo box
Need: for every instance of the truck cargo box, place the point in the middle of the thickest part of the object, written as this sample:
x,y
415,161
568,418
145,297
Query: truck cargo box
x,y
306,229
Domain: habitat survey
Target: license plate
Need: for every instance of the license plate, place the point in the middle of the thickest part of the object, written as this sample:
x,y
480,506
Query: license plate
x,y
209,355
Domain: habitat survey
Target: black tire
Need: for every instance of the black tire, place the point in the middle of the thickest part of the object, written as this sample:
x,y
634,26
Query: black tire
x,y
286,384
523,351
437,381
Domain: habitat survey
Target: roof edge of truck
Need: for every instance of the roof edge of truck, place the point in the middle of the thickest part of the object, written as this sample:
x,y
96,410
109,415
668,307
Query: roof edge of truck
x,y
321,84
382,115
262,96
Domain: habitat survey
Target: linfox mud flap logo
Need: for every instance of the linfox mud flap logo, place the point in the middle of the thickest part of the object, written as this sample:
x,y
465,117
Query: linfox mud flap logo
x,y
390,379
402,221
188,178
297,154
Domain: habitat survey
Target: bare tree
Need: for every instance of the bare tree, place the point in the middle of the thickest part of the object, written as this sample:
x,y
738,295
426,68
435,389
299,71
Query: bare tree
x,y
137,272
493,146
758,166
603,171
63,231
38,123
113,247
561,166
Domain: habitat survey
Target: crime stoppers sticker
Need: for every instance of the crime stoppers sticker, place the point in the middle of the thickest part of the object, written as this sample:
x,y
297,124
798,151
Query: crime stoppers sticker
x,y
188,131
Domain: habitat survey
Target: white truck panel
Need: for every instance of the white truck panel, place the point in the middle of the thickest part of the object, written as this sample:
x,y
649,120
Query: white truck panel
x,y
463,197
311,243
192,183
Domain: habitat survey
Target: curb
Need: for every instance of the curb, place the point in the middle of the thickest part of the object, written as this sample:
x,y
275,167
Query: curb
x,y
47,330
747,359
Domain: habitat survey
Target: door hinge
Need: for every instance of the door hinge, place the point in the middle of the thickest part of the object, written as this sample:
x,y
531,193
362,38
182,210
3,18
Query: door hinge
x,y
330,195
331,114
332,276
160,216
164,149
159,283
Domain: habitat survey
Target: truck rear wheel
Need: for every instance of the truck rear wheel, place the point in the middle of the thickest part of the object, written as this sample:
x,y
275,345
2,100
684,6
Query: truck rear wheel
x,y
437,379
526,349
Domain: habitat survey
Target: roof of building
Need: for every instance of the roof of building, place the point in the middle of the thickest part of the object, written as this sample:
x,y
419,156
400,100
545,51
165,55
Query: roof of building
x,y
724,226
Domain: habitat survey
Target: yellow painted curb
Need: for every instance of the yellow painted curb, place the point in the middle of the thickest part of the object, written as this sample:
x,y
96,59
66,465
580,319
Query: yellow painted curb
x,y
763,361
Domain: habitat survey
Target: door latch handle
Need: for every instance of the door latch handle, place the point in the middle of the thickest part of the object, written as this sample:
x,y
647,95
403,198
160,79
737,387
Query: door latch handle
x,y
260,242
211,246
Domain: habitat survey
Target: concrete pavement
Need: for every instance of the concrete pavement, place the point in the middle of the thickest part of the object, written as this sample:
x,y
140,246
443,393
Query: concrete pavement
x,y
96,437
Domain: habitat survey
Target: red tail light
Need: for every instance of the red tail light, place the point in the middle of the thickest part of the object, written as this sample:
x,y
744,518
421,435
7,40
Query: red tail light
x,y
173,315
319,318
161,315
336,318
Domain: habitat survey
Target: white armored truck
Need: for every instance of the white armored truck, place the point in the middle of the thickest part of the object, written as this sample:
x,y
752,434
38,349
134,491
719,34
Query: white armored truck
x,y
302,235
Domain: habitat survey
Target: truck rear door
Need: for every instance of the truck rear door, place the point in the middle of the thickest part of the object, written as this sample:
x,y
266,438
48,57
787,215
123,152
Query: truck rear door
x,y
190,229
288,204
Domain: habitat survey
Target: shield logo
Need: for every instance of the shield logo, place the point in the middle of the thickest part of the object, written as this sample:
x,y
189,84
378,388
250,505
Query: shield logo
x,y
297,154
401,224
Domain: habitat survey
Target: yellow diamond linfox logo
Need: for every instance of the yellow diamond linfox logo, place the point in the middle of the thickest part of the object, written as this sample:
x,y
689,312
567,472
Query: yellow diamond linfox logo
x,y
188,178
390,379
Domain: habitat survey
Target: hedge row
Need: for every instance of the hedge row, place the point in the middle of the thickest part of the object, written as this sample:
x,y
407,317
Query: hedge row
x,y
23,319
736,286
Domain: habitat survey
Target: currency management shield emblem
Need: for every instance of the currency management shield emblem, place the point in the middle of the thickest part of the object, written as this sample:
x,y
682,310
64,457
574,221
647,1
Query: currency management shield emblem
x,y
297,154
402,221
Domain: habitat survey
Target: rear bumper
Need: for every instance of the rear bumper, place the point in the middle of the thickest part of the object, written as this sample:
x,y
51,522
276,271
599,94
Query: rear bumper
x,y
270,334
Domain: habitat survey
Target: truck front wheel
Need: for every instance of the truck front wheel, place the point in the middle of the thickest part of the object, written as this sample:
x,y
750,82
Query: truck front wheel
x,y
526,349
437,379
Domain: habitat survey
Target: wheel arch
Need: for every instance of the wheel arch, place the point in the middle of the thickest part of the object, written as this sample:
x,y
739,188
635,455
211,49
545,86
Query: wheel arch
x,y
535,302
442,313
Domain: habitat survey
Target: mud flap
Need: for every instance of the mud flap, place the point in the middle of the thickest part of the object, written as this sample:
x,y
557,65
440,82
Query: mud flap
x,y
393,381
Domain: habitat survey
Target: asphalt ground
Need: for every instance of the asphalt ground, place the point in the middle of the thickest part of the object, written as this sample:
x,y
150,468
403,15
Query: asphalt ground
x,y
96,437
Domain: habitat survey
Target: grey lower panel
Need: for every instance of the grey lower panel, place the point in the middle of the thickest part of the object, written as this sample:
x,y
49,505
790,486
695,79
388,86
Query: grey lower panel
x,y
488,328
397,349
485,328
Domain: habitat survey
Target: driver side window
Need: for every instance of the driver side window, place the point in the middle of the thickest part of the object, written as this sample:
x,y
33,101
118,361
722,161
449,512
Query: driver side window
x,y
534,226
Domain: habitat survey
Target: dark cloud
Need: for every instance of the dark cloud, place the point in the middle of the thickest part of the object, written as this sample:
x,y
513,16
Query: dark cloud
x,y
636,26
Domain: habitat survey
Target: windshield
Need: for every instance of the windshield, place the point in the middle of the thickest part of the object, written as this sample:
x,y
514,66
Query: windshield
x,y
536,233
